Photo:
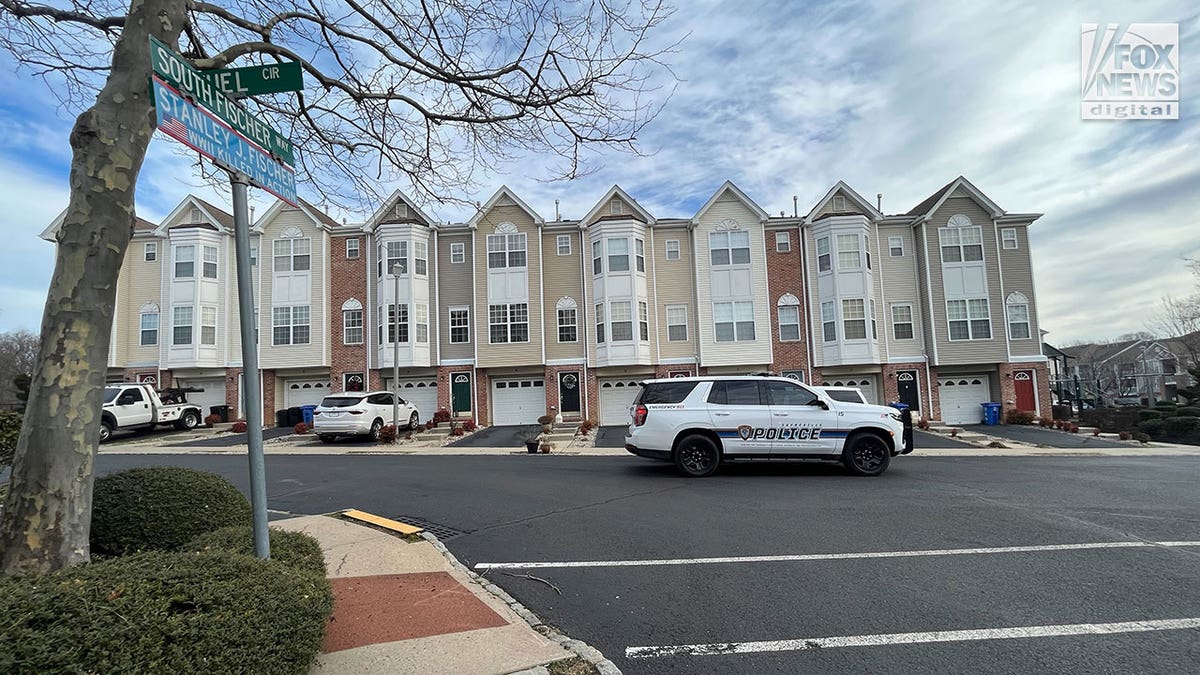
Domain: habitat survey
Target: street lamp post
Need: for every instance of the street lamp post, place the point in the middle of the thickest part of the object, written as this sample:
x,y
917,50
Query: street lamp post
x,y
396,349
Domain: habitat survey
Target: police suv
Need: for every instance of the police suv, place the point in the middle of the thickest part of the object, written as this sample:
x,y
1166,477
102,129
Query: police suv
x,y
700,422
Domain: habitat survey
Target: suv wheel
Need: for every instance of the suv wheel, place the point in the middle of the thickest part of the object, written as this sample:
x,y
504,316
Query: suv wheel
x,y
413,421
376,426
866,455
697,456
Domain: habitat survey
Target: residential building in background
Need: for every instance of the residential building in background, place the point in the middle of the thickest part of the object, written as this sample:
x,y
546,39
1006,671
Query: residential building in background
x,y
508,316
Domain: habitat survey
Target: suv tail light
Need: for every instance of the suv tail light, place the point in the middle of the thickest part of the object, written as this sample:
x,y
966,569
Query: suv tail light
x,y
316,412
639,415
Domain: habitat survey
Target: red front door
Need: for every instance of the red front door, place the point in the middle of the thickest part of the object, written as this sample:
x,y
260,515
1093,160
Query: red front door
x,y
1023,382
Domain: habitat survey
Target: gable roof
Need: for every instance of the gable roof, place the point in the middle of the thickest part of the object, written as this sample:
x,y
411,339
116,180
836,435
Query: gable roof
x,y
933,201
222,219
50,234
616,191
379,216
316,215
491,203
850,192
737,192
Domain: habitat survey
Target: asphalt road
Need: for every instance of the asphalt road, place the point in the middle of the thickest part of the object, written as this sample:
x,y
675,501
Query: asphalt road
x,y
514,509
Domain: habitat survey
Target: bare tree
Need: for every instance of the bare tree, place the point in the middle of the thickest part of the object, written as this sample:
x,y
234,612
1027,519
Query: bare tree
x,y
425,91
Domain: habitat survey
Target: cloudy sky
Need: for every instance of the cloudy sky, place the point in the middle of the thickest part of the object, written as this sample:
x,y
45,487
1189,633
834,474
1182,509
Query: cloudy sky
x,y
787,98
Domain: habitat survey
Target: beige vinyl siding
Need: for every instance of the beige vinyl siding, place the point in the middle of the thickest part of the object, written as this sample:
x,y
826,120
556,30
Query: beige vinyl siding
x,y
851,206
921,239
967,351
716,353
232,327
455,289
1018,278
810,299
896,283
674,284
142,283
315,353
561,278
522,353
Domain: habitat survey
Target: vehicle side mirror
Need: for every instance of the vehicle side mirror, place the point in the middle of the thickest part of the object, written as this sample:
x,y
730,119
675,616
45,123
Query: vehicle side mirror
x,y
819,403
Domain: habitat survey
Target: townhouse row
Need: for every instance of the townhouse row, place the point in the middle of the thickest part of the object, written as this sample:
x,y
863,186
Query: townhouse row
x,y
508,316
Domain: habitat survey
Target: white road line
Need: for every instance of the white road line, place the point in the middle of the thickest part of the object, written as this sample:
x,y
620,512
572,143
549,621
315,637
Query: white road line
x,y
806,557
883,639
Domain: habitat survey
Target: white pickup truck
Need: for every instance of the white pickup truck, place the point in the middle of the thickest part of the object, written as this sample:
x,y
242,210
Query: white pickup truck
x,y
139,405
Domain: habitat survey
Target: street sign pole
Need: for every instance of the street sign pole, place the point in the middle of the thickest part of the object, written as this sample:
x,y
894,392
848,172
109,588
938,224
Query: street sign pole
x,y
250,383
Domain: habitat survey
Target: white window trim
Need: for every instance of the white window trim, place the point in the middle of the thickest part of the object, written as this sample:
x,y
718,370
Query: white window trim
x,y
1008,235
291,325
353,250
508,323
857,251
783,242
573,324
730,248
191,325
150,251
507,250
970,321
215,262
175,262
669,250
896,243
684,309
829,319
962,248
346,327
142,330
796,323
291,255
912,322
612,322
560,240
467,326
846,321
421,258
458,253
828,254
1018,300
733,314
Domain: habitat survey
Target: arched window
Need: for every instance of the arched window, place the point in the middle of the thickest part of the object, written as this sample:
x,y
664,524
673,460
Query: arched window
x,y
1017,306
789,317
568,320
352,322
149,324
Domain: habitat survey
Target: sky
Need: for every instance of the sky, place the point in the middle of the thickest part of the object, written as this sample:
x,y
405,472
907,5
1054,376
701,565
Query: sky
x,y
787,98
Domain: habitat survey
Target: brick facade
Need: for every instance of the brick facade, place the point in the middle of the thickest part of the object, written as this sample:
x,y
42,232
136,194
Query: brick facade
x,y
891,389
1008,393
444,380
552,392
348,282
786,275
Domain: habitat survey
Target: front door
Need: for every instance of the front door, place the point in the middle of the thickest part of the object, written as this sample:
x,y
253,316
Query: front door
x,y
568,393
1023,383
910,393
741,416
460,393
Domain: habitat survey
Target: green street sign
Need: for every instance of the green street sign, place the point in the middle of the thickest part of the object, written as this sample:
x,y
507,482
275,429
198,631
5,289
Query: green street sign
x,y
177,72
274,78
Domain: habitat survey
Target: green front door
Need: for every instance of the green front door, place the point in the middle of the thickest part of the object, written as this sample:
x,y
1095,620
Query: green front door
x,y
460,393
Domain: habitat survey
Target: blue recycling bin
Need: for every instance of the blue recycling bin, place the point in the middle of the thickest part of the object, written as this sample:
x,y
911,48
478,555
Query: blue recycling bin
x,y
991,413
898,405
307,412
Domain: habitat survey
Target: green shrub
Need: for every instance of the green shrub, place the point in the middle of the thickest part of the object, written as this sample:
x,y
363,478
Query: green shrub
x,y
289,548
1147,415
161,508
1165,404
1019,417
1152,428
161,612
1181,428
1187,411
10,430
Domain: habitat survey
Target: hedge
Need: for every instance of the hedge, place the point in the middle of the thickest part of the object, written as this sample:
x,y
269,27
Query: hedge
x,y
10,430
161,508
1173,429
161,612
1147,415
289,548
1187,411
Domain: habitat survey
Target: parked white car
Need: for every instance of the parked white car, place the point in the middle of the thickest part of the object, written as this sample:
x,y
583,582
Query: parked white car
x,y
359,414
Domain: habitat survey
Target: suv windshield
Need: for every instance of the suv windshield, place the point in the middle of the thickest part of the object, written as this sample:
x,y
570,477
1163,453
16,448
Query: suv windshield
x,y
845,395
665,392
341,401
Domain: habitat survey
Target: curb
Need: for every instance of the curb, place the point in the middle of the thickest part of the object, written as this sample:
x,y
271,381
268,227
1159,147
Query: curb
x,y
577,647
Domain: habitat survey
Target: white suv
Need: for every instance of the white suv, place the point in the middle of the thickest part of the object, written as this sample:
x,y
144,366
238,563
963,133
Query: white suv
x,y
699,422
359,414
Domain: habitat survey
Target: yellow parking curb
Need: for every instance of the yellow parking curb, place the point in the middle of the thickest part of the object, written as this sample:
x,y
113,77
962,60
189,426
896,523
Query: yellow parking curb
x,y
380,521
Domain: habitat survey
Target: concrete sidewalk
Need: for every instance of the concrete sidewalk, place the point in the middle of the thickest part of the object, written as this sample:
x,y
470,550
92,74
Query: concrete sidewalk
x,y
410,607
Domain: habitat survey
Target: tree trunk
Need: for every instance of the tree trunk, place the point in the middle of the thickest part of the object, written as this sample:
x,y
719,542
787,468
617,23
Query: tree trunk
x,y
47,517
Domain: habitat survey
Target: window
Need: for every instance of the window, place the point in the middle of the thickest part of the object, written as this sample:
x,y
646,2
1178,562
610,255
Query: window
x,y
639,249
149,327
292,255
824,261
150,251
1018,316
597,257
961,244
506,250
352,249
210,262
729,248
208,325
849,255
677,330
896,246
353,382
181,326
874,328
194,216
1008,237
394,331
508,323
786,393
969,319
621,318
568,329
644,321
458,253
854,320
290,325
421,258
733,321
902,322
736,392
672,249
394,253
185,262
828,321
618,255
564,244
783,242
352,327
839,204
254,256
615,207
422,323
600,322
789,320
460,325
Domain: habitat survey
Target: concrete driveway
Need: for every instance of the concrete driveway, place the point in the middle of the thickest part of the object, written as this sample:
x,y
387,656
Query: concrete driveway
x,y
1040,436
498,437
231,440
924,439
611,437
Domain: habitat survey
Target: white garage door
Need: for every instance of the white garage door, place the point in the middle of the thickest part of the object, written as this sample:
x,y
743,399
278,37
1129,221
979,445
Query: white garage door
x,y
961,396
864,384
421,393
213,394
518,401
304,392
615,398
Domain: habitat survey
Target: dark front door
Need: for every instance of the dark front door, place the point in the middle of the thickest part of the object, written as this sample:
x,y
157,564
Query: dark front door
x,y
460,393
910,393
568,393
